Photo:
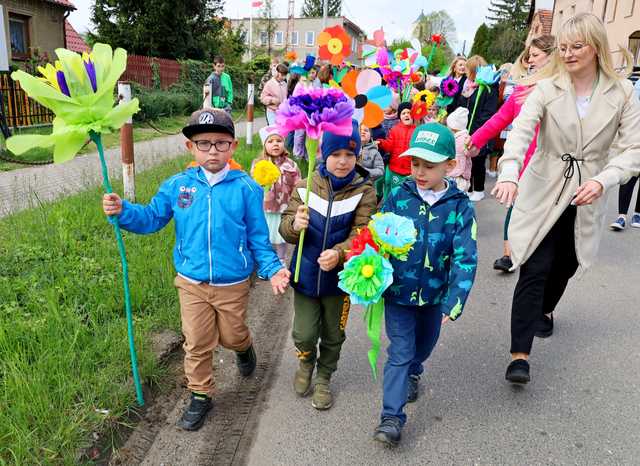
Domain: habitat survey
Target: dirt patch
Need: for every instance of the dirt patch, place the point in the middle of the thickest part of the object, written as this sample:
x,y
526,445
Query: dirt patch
x,y
228,432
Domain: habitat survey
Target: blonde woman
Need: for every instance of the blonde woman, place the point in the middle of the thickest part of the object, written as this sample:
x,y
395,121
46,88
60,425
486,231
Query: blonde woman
x,y
457,71
558,213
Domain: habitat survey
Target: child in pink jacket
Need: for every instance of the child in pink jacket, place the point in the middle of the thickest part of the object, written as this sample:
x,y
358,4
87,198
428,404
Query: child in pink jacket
x,y
461,174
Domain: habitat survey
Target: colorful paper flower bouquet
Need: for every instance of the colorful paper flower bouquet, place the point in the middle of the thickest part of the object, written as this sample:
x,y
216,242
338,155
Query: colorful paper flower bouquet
x,y
368,273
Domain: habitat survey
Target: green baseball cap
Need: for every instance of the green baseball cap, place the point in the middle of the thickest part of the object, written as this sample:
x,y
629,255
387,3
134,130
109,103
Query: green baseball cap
x,y
432,142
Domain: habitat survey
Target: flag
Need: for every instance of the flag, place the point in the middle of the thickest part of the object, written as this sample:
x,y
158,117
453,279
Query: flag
x,y
256,4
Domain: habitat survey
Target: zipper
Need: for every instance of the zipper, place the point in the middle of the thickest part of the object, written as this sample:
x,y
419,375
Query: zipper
x,y
209,239
184,259
243,257
326,230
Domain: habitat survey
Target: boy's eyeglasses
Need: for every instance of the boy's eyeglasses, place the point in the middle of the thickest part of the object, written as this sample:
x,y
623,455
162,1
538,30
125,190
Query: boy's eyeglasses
x,y
205,146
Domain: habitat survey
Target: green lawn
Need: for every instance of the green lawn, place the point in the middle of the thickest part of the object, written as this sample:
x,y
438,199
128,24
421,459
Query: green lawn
x,y
63,342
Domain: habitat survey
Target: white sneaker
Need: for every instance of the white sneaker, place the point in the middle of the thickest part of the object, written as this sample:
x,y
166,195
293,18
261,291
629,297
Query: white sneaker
x,y
492,174
476,196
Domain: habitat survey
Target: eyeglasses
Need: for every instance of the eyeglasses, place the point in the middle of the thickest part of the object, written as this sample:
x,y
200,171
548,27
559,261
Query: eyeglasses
x,y
575,49
205,146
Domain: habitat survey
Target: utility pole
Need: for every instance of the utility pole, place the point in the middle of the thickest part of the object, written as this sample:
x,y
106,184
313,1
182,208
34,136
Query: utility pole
x,y
126,146
325,13
250,101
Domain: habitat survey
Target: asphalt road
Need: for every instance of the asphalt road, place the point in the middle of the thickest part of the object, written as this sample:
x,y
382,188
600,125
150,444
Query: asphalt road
x,y
582,406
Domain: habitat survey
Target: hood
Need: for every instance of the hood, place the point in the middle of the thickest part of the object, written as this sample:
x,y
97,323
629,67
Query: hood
x,y
362,176
197,173
452,192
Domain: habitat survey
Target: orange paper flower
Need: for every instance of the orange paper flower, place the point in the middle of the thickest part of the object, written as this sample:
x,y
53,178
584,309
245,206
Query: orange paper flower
x,y
335,45
291,56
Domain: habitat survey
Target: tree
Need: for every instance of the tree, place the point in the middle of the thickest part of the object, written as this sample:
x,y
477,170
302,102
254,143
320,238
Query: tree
x,y
313,8
267,24
510,13
436,22
481,41
160,28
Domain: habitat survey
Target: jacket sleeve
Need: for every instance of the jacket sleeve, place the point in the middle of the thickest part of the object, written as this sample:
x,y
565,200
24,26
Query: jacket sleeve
x,y
388,143
229,90
258,234
626,162
144,220
520,137
464,261
266,96
378,166
365,209
498,122
286,221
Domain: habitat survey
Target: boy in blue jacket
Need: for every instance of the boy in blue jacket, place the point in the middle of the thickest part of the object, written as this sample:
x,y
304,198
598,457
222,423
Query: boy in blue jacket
x,y
221,236
432,285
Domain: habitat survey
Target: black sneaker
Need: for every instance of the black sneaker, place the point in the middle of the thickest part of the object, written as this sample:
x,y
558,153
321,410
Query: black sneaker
x,y
545,326
412,389
195,414
246,361
389,431
518,372
504,264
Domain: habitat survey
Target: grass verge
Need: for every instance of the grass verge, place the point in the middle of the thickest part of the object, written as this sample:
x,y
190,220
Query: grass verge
x,y
64,362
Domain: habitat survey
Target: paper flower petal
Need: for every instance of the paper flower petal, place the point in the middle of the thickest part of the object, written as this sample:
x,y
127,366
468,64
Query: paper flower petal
x,y
366,80
366,277
265,173
373,115
393,233
380,95
348,83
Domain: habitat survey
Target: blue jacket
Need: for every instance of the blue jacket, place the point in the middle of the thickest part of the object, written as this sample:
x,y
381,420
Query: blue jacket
x,y
441,267
221,231
334,218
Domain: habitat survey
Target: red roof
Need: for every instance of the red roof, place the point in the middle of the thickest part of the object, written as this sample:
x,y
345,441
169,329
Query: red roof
x,y
75,42
546,19
65,3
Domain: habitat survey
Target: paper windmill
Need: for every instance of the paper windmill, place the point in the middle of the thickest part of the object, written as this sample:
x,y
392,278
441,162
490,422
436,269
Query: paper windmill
x,y
366,276
335,44
393,233
370,96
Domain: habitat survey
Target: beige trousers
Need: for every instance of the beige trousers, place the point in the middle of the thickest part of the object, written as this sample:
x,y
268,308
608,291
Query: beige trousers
x,y
211,316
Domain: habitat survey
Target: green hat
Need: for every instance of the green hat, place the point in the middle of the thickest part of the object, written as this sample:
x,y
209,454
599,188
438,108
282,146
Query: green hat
x,y
432,142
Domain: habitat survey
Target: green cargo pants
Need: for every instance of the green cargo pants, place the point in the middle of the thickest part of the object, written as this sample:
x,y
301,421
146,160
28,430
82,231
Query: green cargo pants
x,y
323,318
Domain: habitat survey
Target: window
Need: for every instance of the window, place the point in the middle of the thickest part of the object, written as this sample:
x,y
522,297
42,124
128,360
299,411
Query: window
x,y
627,9
354,44
19,34
279,38
634,46
294,38
263,38
310,39
610,14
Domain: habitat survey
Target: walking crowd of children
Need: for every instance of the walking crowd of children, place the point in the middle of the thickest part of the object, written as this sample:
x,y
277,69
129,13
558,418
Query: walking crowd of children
x,y
428,167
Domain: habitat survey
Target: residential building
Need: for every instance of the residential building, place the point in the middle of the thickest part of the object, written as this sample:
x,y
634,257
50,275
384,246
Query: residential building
x,y
73,40
33,24
304,35
621,19
540,25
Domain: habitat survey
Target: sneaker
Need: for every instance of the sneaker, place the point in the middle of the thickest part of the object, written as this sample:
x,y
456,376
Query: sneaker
x,y
518,372
195,414
412,389
246,361
545,326
389,431
619,225
635,221
476,196
504,264
322,398
302,379
492,174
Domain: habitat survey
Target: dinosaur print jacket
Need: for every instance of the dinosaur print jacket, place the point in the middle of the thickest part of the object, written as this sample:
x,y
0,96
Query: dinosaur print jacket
x,y
441,267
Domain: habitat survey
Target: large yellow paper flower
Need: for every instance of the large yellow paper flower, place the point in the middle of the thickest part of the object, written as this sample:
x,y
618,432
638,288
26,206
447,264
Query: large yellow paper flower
x,y
265,173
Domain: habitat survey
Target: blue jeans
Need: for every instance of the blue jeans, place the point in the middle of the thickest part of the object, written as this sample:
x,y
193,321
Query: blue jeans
x,y
413,332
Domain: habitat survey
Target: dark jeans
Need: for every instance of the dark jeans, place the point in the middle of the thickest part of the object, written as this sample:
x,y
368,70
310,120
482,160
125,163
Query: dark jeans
x,y
412,332
543,279
625,194
479,170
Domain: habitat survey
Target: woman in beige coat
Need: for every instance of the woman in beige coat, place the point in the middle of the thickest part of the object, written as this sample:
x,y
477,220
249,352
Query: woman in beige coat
x,y
558,216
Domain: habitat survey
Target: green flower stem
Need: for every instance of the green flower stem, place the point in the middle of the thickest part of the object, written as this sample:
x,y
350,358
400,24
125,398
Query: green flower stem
x,y
312,148
475,106
431,54
95,137
373,317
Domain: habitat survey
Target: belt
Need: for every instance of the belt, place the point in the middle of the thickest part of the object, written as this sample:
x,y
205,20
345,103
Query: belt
x,y
572,164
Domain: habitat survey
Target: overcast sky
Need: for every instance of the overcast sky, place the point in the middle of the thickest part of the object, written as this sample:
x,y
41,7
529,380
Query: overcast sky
x,y
396,16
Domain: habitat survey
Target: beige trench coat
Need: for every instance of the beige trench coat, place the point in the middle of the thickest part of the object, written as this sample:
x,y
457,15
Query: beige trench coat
x,y
613,114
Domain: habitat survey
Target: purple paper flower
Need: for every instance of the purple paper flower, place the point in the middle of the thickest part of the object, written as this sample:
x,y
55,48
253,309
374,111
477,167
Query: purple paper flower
x,y
315,111
62,83
449,87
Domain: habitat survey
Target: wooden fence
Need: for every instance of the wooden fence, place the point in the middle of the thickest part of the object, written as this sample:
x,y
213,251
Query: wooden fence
x,y
140,70
18,108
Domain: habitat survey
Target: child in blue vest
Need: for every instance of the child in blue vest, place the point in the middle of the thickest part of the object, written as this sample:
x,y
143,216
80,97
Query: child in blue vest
x,y
432,285
221,236
342,199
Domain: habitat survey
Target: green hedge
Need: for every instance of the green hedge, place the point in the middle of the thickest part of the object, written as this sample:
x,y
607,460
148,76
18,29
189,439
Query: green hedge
x,y
185,96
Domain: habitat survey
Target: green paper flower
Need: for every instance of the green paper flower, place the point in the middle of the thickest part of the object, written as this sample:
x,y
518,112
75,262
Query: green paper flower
x,y
79,90
366,276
